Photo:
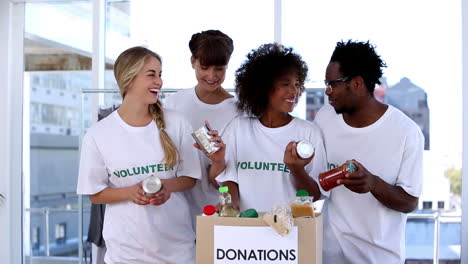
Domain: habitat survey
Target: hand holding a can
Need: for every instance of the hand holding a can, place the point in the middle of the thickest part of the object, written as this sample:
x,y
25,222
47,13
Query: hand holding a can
x,y
136,194
161,196
210,142
360,181
293,160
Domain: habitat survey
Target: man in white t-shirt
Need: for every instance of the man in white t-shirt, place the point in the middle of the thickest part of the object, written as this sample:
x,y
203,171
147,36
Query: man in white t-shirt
x,y
365,215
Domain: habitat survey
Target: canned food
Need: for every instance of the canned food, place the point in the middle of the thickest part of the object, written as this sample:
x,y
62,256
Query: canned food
x,y
305,149
151,186
202,137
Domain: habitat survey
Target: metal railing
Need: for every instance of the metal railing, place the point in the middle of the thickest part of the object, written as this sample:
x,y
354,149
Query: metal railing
x,y
438,219
436,216
46,211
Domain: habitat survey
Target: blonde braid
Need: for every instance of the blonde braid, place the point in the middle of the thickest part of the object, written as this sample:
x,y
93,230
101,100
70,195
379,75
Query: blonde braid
x,y
170,150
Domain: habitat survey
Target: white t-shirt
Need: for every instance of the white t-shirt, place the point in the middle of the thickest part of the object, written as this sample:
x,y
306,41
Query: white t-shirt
x,y
116,155
255,160
187,103
358,228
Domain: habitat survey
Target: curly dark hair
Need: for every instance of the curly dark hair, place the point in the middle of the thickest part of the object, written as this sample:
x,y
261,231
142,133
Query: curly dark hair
x,y
357,58
255,77
211,47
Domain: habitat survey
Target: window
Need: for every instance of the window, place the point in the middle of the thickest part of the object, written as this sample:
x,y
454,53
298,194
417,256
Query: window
x,y
60,233
172,37
35,237
57,67
427,205
440,205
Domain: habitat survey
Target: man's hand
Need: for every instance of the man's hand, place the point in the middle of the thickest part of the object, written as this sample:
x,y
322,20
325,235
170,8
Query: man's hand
x,y
361,181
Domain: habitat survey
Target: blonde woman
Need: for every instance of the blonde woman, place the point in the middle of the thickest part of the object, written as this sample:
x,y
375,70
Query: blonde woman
x,y
138,140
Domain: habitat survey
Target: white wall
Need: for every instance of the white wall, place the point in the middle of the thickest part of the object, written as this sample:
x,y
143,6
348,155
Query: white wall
x,y
11,15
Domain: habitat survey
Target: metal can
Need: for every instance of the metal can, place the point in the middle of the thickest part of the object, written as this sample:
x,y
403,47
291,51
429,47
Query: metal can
x,y
304,149
202,137
151,186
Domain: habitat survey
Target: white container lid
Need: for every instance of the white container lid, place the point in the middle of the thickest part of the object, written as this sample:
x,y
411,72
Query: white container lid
x,y
305,149
152,184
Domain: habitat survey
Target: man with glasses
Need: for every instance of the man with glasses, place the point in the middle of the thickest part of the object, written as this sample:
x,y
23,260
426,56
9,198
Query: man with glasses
x,y
365,216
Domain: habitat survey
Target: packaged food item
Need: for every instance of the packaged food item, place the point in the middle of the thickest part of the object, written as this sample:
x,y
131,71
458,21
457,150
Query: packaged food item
x,y
227,208
304,149
202,138
209,210
329,178
303,205
280,219
249,213
151,186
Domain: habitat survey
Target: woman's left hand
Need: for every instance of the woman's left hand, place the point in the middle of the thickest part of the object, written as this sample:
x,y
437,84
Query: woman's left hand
x,y
161,197
292,160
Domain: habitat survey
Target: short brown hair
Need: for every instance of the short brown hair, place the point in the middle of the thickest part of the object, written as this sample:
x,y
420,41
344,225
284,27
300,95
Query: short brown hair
x,y
211,47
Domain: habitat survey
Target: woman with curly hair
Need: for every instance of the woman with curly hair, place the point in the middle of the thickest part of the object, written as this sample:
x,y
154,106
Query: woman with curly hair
x,y
261,156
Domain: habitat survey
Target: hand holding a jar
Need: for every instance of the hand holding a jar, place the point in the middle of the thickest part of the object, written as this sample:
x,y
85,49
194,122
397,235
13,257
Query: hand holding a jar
x,y
360,181
292,159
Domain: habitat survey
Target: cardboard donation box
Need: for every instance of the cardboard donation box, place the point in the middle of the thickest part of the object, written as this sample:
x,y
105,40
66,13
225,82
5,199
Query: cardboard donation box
x,y
236,240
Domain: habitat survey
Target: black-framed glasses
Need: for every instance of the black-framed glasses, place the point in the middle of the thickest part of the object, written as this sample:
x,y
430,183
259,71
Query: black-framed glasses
x,y
329,84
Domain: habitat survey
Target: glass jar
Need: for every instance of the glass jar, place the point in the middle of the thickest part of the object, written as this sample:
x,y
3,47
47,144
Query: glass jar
x,y
328,179
303,205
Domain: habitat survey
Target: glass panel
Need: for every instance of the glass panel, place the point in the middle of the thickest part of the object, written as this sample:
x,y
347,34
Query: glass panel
x,y
417,81
57,68
157,25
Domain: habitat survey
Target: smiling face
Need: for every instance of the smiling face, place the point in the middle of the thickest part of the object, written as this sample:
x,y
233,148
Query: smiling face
x,y
210,77
284,94
340,96
147,84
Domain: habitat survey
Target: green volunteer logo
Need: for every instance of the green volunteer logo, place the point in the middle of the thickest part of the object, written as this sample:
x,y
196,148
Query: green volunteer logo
x,y
260,165
142,170
331,166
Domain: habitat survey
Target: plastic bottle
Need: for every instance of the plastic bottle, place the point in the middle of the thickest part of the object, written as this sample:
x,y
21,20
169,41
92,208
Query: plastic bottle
x,y
209,210
328,179
227,209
